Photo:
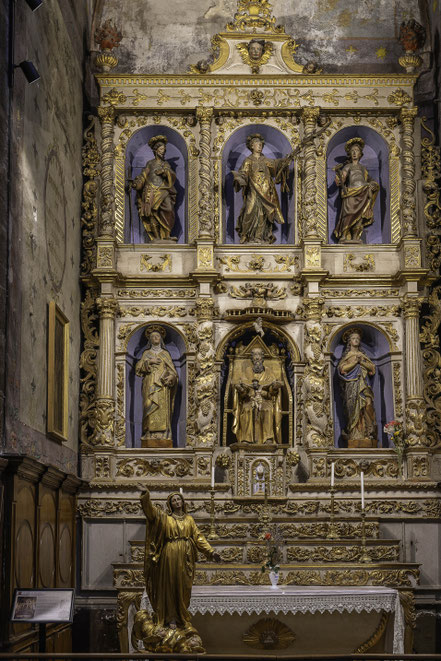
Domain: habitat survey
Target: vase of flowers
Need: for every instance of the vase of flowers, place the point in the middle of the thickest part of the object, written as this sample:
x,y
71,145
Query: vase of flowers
x,y
273,543
395,432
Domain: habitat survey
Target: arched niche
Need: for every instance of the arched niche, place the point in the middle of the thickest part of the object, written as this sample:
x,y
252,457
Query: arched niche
x,y
376,346
138,153
233,155
175,344
376,159
243,336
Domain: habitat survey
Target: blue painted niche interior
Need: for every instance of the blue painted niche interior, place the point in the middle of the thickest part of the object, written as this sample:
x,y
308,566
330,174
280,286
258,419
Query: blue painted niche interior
x,y
376,159
234,153
135,348
376,347
138,153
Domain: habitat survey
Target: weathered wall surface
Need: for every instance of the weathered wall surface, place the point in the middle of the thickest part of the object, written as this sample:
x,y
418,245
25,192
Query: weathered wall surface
x,y
45,221
340,35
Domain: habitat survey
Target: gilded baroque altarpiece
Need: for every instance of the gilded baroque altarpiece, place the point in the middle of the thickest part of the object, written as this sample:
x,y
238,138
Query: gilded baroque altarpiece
x,y
213,294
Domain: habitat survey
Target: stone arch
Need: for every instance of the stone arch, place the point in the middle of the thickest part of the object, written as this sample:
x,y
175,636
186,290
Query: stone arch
x,y
176,344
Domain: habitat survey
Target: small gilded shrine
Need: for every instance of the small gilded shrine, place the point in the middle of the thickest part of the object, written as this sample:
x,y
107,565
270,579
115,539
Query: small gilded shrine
x,y
258,253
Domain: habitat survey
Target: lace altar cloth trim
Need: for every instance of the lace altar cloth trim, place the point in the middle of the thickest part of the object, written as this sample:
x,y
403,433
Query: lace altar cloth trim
x,y
287,599
230,599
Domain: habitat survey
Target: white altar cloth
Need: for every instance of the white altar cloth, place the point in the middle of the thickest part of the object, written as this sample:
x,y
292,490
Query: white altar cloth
x,y
291,600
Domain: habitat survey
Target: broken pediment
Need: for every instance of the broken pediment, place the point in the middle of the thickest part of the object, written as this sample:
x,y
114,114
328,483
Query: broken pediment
x,y
253,43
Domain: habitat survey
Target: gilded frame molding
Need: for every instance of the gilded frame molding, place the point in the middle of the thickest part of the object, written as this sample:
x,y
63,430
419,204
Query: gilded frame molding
x,y
57,374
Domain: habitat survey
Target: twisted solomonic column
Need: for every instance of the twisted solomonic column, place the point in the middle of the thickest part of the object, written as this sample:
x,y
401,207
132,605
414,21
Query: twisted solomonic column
x,y
415,406
206,224
105,401
309,192
107,118
408,204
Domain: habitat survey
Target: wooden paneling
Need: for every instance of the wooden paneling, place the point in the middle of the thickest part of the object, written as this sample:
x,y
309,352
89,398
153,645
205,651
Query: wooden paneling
x,y
38,545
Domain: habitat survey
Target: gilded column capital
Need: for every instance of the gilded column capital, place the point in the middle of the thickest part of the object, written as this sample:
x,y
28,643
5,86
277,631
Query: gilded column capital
x,y
107,307
205,309
310,114
204,114
106,114
407,116
313,307
412,306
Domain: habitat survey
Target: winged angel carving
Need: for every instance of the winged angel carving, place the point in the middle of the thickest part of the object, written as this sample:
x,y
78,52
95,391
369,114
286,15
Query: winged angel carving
x,y
255,53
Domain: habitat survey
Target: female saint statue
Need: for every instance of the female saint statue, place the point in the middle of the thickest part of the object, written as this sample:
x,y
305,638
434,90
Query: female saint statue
x,y
358,194
159,384
354,370
155,193
172,543
261,207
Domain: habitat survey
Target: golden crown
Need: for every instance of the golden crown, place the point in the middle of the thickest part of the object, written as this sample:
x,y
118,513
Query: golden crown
x,y
348,332
157,138
154,328
354,141
254,136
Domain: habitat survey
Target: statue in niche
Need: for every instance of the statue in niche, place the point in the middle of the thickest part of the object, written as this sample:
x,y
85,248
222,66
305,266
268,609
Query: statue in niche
x,y
354,370
156,194
257,386
358,194
159,385
172,543
256,178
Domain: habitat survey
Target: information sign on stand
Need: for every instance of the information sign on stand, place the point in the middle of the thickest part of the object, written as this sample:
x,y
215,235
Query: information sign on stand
x,y
47,606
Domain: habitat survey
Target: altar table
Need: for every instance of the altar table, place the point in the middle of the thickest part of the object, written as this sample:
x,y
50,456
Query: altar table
x,y
322,619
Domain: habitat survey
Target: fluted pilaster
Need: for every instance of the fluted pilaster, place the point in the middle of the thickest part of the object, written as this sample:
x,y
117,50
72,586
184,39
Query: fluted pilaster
x,y
105,402
415,406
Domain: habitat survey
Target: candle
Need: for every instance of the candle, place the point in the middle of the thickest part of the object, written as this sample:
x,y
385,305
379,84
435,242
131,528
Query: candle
x,y
212,477
332,474
362,489
181,491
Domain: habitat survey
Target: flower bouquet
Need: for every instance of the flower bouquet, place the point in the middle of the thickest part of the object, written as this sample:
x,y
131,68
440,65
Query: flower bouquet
x,y
395,431
273,541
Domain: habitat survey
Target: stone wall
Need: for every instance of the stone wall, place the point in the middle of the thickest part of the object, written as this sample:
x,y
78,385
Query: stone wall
x,y
343,37
44,231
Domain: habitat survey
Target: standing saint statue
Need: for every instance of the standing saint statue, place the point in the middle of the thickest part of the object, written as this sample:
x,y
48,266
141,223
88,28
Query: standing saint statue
x,y
257,401
172,543
256,178
358,194
159,385
156,194
354,370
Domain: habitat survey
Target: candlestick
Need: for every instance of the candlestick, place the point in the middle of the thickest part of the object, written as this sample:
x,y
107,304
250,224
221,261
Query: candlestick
x,y
364,557
362,489
332,529
332,474
212,533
